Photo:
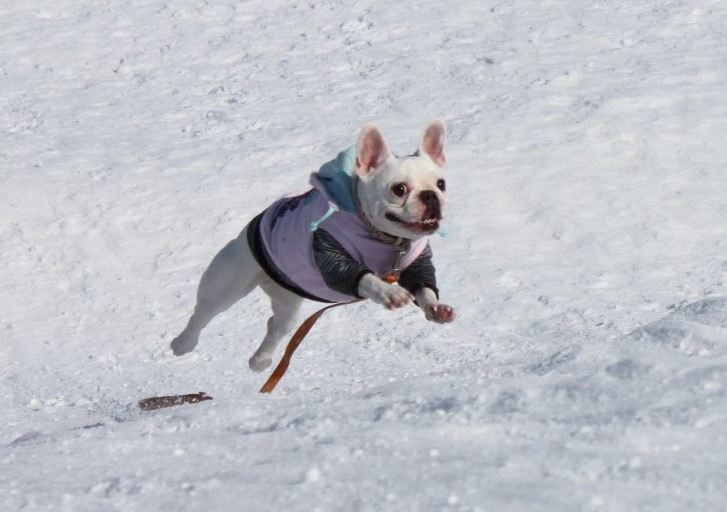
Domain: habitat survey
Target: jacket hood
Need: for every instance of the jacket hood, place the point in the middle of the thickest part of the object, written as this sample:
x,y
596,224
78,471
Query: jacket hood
x,y
335,180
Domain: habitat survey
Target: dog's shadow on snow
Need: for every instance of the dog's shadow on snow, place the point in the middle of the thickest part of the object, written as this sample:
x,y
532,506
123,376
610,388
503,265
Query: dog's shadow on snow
x,y
695,329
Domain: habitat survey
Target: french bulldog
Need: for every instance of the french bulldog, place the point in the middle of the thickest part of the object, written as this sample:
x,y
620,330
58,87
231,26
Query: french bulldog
x,y
360,232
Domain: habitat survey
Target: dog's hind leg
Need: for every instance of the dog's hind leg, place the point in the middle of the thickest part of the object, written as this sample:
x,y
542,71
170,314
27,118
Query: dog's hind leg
x,y
232,274
285,306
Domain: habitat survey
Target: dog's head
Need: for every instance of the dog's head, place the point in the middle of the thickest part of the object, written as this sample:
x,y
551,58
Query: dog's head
x,y
404,197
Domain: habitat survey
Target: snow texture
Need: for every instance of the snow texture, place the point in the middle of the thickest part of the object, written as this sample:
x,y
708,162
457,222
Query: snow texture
x,y
587,368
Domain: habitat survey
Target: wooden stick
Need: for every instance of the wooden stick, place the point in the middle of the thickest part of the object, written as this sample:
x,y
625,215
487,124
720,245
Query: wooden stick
x,y
159,402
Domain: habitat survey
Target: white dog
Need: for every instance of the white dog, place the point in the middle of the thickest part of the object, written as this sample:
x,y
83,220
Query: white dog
x,y
360,232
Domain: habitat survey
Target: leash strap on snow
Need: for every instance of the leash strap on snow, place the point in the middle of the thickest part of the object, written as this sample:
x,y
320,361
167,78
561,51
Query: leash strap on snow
x,y
293,344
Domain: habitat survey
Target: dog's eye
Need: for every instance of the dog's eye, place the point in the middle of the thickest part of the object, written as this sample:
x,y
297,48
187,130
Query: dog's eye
x,y
399,190
441,185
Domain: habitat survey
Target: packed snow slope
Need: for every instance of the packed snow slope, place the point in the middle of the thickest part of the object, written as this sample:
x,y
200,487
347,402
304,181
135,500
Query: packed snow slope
x,y
586,256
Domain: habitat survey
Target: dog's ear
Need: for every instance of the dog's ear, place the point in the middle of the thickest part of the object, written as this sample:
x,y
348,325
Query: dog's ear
x,y
432,141
371,150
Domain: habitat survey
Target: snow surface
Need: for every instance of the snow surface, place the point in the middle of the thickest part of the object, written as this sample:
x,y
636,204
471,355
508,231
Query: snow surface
x,y
587,369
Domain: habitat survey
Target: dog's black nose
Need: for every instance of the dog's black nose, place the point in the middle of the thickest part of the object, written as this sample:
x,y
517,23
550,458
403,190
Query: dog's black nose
x,y
429,198
432,208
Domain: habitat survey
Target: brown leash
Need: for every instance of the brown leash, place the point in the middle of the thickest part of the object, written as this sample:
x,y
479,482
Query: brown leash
x,y
293,344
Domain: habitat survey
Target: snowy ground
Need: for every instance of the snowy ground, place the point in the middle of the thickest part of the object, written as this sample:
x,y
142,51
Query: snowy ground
x,y
587,369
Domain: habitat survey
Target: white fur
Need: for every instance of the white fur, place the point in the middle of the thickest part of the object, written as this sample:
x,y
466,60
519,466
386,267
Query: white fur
x,y
233,273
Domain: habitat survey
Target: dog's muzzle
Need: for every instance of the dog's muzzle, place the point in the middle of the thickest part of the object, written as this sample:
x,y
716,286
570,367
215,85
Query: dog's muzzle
x,y
432,206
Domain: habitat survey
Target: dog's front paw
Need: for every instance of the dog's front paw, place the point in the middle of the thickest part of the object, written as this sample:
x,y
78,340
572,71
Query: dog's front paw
x,y
183,344
259,363
396,297
391,296
440,313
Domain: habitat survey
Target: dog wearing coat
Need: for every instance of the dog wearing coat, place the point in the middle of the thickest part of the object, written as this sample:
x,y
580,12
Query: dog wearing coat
x,y
361,231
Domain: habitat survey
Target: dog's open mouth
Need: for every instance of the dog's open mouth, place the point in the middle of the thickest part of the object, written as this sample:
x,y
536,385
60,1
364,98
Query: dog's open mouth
x,y
424,225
